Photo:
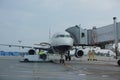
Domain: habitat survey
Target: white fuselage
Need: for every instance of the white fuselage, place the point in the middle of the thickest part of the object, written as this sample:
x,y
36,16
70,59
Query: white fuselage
x,y
62,41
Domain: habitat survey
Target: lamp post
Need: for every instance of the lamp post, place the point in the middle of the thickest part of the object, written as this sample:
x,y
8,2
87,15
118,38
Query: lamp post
x,y
19,41
116,36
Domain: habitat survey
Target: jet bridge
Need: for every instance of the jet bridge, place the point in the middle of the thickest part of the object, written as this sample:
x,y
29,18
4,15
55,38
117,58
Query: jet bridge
x,y
103,36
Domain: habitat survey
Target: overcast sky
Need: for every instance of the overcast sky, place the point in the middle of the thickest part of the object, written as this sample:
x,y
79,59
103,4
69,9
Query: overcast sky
x,y
31,20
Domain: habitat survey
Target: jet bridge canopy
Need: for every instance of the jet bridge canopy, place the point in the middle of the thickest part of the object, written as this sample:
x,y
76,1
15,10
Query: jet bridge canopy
x,y
78,34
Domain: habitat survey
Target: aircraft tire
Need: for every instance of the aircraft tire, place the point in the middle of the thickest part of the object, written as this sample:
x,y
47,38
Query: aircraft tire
x,y
69,58
118,62
26,60
66,58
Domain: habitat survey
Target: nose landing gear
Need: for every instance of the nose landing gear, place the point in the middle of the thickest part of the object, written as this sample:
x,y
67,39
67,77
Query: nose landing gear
x,y
62,61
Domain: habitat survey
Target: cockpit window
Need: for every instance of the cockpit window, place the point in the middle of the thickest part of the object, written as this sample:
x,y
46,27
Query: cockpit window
x,y
63,36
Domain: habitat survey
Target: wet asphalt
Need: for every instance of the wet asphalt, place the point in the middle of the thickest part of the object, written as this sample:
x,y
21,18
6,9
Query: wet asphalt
x,y
12,69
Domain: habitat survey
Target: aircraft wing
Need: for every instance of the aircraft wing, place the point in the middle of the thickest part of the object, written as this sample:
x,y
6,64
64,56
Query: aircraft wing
x,y
22,46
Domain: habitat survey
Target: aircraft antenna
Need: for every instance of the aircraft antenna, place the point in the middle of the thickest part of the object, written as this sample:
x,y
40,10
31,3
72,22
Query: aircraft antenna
x,y
49,32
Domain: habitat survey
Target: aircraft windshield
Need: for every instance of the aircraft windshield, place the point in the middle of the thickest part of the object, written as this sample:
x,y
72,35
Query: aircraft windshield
x,y
63,36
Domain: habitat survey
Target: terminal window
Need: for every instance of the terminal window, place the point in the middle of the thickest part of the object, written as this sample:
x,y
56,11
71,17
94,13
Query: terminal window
x,y
82,35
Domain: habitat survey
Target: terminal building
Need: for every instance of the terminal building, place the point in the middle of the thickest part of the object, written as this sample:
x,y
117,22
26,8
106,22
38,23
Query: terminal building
x,y
103,36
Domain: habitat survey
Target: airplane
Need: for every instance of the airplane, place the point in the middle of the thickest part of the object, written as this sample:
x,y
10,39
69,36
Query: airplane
x,y
60,43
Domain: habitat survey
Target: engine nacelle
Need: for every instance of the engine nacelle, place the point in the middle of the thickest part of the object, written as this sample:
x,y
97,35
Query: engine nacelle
x,y
31,52
79,53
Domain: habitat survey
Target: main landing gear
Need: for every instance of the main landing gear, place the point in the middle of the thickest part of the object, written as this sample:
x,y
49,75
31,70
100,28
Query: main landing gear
x,y
68,58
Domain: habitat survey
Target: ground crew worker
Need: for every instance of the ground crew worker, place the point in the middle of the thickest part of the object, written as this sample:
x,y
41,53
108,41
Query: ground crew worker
x,y
42,55
91,55
41,52
67,56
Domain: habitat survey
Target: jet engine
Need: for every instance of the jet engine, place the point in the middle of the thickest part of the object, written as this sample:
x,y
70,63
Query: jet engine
x,y
31,52
79,53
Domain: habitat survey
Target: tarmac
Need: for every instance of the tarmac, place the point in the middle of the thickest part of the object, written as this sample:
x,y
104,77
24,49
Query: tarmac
x,y
105,68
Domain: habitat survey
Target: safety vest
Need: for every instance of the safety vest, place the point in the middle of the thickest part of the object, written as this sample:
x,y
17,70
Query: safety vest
x,y
41,52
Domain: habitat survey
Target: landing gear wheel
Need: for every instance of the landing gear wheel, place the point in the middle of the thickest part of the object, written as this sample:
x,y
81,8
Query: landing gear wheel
x,y
118,62
68,58
26,60
62,61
